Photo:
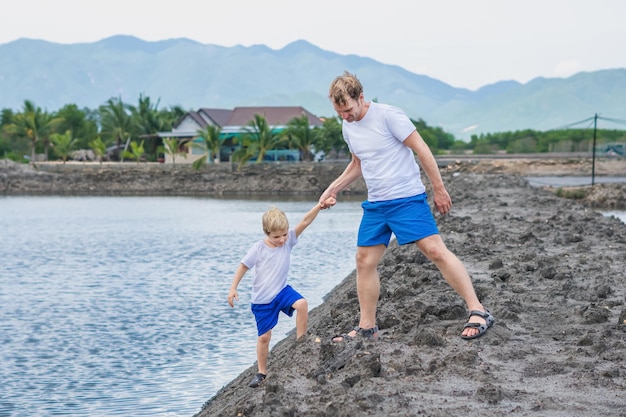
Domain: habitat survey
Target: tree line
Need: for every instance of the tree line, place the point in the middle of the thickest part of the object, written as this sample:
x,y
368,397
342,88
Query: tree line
x,y
32,131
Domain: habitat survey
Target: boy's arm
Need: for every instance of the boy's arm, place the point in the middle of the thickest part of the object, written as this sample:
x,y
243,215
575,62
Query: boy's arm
x,y
312,214
232,294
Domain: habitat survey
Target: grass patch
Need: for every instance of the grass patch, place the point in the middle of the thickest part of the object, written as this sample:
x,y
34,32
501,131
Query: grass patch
x,y
572,193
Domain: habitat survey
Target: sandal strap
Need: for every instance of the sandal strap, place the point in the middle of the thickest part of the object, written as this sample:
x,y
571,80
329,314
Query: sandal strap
x,y
368,332
474,326
371,333
486,315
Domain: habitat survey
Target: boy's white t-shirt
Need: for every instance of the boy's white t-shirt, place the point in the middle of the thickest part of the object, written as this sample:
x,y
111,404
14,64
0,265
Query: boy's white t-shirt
x,y
388,166
270,268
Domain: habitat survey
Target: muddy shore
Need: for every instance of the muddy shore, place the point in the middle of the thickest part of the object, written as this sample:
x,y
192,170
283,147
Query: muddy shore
x,y
550,269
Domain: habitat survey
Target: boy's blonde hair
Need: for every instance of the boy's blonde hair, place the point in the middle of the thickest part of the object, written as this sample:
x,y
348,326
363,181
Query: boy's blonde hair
x,y
345,87
274,220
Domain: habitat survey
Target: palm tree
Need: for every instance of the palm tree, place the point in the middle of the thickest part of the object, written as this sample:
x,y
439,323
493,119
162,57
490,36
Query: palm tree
x,y
116,121
147,121
170,116
300,135
330,139
98,147
63,144
210,145
136,151
49,124
261,134
146,118
80,121
34,124
171,147
247,151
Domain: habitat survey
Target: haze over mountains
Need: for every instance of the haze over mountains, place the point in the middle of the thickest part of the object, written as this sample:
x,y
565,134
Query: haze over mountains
x,y
194,75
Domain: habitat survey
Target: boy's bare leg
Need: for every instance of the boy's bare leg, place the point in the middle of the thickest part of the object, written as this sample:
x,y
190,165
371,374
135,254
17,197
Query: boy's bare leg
x,y
262,351
302,316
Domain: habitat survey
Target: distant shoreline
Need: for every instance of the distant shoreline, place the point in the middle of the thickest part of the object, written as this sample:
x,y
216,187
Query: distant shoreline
x,y
288,179
53,178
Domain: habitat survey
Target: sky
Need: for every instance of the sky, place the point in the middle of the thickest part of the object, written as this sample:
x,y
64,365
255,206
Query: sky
x,y
464,43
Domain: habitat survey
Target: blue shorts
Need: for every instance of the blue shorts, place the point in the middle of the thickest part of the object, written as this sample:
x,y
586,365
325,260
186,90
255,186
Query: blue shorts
x,y
410,219
266,315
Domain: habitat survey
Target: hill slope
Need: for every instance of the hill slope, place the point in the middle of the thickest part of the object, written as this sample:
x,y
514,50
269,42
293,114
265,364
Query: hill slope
x,y
194,75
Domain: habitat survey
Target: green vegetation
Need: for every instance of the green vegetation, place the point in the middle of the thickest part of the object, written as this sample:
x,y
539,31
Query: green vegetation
x,y
261,137
209,144
532,141
572,193
172,148
98,147
118,130
136,151
62,144
300,136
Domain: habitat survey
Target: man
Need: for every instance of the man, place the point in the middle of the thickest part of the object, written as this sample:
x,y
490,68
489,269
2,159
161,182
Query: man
x,y
382,141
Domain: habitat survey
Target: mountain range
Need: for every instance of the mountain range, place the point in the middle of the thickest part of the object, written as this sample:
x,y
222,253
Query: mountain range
x,y
186,73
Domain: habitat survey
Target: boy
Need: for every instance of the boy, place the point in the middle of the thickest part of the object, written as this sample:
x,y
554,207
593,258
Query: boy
x,y
270,258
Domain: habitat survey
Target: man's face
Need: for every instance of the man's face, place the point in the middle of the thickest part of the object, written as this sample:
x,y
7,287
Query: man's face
x,y
352,111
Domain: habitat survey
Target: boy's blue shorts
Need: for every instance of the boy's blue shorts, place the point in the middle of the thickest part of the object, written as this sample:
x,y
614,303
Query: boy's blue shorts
x,y
266,315
409,219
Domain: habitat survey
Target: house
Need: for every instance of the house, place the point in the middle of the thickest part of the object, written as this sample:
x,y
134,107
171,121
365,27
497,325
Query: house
x,y
233,124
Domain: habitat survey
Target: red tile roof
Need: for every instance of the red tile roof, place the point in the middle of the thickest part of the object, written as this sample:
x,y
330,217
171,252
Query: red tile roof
x,y
275,116
241,116
219,116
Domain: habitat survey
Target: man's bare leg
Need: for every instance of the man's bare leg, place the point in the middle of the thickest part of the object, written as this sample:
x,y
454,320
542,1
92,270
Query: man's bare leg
x,y
367,285
455,274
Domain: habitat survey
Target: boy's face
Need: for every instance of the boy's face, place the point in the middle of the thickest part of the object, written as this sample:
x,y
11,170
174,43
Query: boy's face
x,y
277,238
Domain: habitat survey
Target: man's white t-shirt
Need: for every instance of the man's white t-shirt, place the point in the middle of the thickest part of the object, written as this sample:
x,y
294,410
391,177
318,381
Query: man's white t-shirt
x,y
271,267
388,166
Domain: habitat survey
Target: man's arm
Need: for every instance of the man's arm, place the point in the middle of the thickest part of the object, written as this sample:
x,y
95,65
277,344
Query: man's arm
x,y
441,198
347,177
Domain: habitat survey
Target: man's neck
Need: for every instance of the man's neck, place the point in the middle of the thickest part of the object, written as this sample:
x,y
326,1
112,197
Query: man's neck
x,y
366,106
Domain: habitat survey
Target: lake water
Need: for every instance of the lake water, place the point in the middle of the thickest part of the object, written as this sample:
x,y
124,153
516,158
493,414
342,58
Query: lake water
x,y
117,306
573,181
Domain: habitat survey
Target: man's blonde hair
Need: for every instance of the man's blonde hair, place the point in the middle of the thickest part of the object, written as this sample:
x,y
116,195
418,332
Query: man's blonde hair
x,y
274,219
345,87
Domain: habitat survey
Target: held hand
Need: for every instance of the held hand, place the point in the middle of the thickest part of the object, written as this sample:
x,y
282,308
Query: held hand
x,y
328,203
328,199
232,296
